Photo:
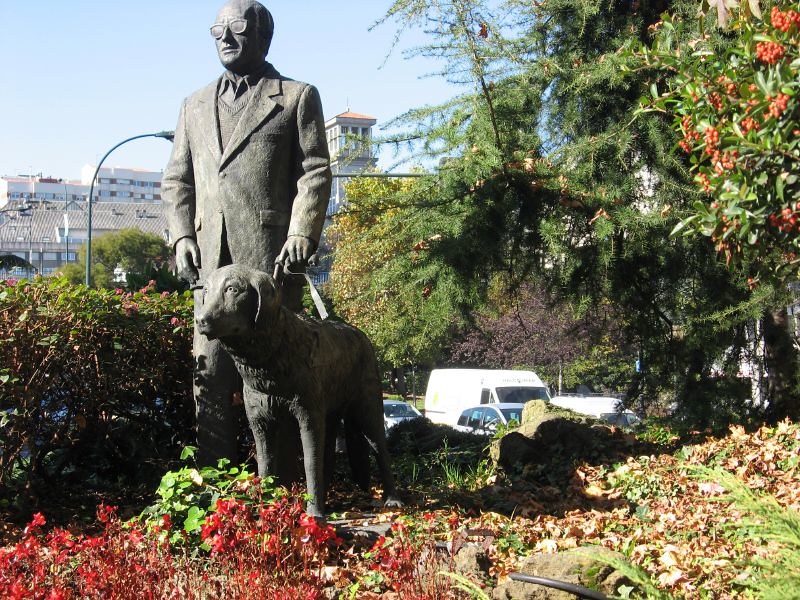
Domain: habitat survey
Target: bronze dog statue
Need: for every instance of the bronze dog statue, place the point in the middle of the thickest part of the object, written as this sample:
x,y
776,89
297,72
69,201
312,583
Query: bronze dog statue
x,y
319,371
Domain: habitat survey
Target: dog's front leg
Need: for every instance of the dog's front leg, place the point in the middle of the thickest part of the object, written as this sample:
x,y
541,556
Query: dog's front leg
x,y
262,419
312,434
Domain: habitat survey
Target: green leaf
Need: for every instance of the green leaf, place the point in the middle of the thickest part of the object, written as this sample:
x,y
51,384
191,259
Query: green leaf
x,y
679,227
762,83
187,452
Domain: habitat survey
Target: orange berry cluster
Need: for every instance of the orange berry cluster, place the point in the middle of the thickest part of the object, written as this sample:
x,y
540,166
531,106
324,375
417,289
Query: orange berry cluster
x,y
689,134
769,52
784,20
786,220
723,161
715,100
748,123
777,105
705,183
712,139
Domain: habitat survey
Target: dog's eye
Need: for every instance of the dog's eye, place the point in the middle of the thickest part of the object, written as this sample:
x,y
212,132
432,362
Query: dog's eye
x,y
231,290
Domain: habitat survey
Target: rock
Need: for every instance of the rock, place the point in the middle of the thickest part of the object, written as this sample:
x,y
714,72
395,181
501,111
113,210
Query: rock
x,y
534,411
472,562
547,434
513,449
572,566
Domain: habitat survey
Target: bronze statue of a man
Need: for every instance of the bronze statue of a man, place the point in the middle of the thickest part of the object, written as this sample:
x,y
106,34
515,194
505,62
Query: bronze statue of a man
x,y
248,182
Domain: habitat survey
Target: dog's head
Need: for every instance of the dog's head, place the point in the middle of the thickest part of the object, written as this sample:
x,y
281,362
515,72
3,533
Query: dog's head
x,y
236,300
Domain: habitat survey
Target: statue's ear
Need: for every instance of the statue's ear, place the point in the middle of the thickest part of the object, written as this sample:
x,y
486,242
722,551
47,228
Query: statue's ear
x,y
267,294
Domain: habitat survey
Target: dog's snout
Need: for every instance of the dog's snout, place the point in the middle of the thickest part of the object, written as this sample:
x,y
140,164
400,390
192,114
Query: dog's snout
x,y
203,323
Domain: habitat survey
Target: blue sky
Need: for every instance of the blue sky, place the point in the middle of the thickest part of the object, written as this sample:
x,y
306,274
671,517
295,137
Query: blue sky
x,y
82,75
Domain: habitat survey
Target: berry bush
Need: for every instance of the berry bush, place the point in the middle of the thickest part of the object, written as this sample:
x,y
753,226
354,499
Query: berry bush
x,y
734,102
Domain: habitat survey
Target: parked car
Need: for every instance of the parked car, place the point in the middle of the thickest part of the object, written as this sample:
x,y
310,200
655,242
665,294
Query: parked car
x,y
452,391
485,419
397,411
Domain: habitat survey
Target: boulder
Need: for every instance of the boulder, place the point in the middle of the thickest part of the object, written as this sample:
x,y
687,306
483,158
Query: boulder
x,y
578,566
549,433
473,562
512,449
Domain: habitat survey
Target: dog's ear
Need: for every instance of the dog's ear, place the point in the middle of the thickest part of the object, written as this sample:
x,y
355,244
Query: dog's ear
x,y
268,295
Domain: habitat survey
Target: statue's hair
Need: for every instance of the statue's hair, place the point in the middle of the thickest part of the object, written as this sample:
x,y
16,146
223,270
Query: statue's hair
x,y
264,21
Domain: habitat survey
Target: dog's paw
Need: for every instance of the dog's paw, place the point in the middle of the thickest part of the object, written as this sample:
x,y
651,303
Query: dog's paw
x,y
393,502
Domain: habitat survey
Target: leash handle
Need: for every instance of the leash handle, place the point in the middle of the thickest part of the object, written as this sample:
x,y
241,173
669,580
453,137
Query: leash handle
x,y
323,313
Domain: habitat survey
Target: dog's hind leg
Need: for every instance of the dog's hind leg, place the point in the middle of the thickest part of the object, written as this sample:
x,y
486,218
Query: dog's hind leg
x,y
370,421
331,433
357,452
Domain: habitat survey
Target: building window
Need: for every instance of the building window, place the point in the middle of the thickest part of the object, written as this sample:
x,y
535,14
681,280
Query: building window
x,y
51,255
123,181
71,256
106,193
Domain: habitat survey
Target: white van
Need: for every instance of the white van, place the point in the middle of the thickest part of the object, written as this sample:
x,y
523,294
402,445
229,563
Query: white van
x,y
606,409
451,391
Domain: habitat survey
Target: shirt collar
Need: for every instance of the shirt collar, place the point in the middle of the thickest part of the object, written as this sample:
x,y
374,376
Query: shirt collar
x,y
250,80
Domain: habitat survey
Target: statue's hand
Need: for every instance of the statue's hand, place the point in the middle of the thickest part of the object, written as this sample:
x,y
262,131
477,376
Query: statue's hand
x,y
187,257
296,253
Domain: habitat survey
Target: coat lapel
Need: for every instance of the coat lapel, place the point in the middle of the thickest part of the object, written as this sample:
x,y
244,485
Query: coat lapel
x,y
206,115
259,108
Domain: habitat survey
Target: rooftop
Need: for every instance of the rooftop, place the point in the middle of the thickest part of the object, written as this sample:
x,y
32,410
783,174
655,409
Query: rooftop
x,y
352,115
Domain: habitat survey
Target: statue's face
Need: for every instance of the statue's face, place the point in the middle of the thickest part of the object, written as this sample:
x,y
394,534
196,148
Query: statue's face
x,y
240,48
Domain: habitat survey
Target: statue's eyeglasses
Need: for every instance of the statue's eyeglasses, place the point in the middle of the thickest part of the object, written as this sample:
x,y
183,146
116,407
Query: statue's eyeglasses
x,y
237,26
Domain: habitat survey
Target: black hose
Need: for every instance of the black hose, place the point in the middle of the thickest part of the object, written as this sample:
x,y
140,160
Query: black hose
x,y
578,590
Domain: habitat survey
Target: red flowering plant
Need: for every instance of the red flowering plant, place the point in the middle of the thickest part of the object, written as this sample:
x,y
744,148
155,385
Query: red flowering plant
x,y
272,550
736,109
409,561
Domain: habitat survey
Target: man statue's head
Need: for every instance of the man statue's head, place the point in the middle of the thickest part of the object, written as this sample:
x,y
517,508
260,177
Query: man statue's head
x,y
243,31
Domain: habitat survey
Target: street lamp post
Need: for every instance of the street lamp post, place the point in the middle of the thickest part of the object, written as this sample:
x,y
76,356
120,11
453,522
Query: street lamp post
x,y
167,135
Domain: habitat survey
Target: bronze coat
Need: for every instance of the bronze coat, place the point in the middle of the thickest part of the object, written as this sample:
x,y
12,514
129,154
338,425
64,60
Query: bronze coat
x,y
271,181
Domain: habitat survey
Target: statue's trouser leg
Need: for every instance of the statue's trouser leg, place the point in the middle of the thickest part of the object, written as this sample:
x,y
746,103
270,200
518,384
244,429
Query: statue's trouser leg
x,y
215,382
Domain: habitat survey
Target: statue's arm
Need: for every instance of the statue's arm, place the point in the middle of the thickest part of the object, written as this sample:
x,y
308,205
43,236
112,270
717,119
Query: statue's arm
x,y
177,184
314,182
178,193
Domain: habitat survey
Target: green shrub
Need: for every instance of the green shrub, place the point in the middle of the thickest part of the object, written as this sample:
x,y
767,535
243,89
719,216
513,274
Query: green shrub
x,y
95,385
187,495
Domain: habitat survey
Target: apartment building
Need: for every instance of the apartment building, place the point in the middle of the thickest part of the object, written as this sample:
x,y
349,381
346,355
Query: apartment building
x,y
43,219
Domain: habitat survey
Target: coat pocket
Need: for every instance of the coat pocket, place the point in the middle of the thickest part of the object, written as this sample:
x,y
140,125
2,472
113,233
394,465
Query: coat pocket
x,y
275,218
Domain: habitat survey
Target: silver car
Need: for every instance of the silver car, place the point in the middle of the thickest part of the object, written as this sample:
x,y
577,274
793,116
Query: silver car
x,y
397,411
484,419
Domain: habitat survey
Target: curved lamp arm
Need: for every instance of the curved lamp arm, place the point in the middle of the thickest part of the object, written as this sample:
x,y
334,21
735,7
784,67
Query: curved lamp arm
x,y
167,135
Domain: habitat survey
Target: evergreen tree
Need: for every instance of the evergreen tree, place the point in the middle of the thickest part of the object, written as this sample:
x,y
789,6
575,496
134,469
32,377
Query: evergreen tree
x,y
546,167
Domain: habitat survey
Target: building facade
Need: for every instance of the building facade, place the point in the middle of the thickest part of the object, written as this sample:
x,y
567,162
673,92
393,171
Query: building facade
x,y
43,220
349,142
